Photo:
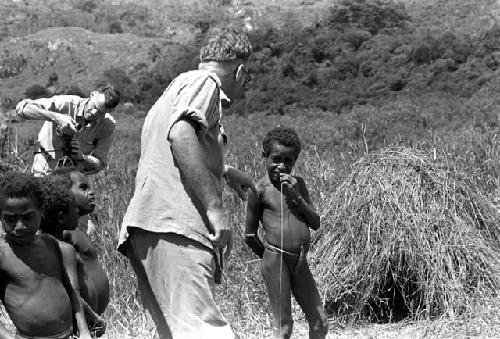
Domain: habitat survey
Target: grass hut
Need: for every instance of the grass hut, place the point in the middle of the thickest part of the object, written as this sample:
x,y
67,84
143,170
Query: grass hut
x,y
410,236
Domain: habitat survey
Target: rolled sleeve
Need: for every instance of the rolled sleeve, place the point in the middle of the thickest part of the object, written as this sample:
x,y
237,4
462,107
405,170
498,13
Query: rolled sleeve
x,y
20,107
197,101
58,103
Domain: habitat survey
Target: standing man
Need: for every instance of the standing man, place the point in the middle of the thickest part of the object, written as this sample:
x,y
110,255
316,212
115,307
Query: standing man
x,y
80,127
174,228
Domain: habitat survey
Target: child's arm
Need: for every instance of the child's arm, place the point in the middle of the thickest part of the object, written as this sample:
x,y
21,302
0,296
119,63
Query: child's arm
x,y
69,278
4,334
254,215
300,200
70,264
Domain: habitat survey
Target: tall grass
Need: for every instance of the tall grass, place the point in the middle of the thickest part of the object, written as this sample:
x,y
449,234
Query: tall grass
x,y
332,143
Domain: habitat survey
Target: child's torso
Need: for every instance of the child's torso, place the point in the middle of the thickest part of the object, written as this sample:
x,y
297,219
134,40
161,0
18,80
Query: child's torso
x,y
295,232
31,287
94,283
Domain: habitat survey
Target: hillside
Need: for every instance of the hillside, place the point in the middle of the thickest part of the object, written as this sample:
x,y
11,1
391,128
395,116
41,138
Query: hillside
x,y
325,54
78,56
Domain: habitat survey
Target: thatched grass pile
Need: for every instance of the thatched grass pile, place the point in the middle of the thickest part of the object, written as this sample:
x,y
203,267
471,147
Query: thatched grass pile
x,y
410,236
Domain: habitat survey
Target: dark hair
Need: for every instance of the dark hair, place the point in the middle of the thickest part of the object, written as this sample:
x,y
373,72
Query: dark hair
x,y
58,198
21,185
111,96
284,136
228,45
64,173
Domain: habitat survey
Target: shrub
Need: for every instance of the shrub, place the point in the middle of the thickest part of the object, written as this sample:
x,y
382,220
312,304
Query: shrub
x,y
154,52
115,27
371,15
72,90
12,64
356,37
121,81
36,91
425,51
86,5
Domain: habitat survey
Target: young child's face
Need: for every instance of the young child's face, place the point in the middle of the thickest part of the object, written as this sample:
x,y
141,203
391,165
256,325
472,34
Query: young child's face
x,y
69,219
84,195
280,159
20,219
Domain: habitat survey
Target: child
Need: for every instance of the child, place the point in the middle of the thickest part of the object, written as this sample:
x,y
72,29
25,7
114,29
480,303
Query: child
x,y
283,207
34,286
61,213
94,283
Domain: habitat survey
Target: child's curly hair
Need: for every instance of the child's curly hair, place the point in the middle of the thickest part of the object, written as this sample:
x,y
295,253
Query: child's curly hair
x,y
22,185
64,174
58,198
284,136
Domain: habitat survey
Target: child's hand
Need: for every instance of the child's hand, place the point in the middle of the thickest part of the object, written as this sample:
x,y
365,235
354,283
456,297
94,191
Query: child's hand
x,y
99,327
288,183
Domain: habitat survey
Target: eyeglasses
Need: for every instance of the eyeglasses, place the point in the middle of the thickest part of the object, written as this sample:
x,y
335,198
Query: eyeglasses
x,y
247,75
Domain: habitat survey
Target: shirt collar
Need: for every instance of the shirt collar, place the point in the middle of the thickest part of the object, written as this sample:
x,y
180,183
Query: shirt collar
x,y
81,107
216,78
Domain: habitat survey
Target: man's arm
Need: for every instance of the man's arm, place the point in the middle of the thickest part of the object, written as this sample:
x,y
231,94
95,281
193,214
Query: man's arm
x,y
39,110
254,215
70,264
70,281
238,181
189,157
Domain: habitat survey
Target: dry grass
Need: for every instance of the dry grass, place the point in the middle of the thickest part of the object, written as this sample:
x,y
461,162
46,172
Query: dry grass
x,y
330,148
409,236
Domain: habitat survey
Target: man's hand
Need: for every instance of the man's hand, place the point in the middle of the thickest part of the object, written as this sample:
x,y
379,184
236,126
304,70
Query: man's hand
x,y
221,236
65,124
76,153
239,182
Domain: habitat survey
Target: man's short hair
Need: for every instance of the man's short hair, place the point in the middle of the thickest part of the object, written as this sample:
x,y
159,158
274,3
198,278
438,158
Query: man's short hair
x,y
228,45
111,96
21,185
284,136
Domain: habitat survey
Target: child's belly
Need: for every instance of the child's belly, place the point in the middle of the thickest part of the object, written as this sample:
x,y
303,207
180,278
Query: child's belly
x,y
45,310
295,232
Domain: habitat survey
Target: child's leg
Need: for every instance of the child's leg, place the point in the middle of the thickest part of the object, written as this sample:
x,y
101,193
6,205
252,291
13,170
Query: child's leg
x,y
279,296
306,293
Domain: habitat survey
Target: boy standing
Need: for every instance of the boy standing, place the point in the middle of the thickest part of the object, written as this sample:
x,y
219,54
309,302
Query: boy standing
x,y
34,286
283,207
61,215
93,281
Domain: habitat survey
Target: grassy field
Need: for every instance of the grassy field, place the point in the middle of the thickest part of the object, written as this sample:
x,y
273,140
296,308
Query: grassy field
x,y
332,143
